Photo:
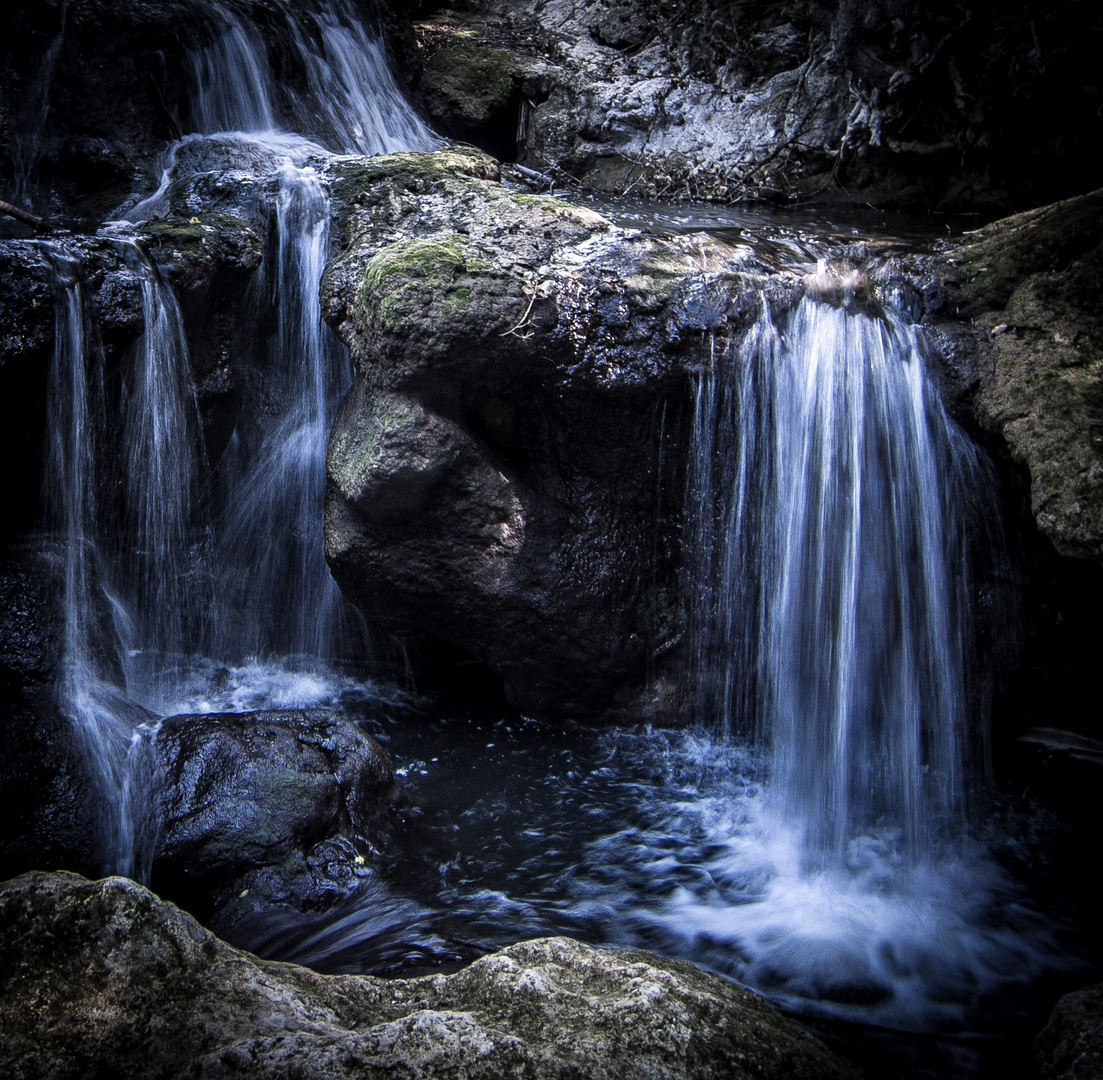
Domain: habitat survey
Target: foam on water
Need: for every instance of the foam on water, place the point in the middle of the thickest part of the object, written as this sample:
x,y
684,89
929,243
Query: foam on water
x,y
708,872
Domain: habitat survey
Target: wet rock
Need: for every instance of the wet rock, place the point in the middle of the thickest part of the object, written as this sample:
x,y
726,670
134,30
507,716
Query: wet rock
x,y
1070,1046
210,260
277,807
47,799
505,473
102,977
1032,285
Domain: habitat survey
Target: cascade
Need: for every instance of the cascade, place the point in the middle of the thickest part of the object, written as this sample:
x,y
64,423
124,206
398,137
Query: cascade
x,y
833,557
194,572
829,546
163,454
110,727
276,594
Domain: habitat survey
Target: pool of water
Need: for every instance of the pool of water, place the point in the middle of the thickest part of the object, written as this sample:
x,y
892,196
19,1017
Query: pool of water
x,y
668,840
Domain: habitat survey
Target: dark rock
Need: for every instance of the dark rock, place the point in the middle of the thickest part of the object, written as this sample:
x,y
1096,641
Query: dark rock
x,y
1070,1046
49,810
1032,284
271,807
103,978
505,473
911,102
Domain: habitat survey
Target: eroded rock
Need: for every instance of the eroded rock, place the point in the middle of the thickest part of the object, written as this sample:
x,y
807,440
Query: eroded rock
x,y
904,103
103,977
1032,284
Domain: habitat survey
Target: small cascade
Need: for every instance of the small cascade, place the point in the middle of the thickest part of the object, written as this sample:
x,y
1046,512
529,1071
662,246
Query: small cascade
x,y
834,558
111,728
163,458
350,102
276,595
203,568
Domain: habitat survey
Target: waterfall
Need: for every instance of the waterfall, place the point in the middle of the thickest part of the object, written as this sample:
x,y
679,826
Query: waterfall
x,y
831,551
276,594
349,103
163,456
111,729
199,567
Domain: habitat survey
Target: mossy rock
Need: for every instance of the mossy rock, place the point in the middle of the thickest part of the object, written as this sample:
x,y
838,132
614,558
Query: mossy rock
x,y
466,82
398,278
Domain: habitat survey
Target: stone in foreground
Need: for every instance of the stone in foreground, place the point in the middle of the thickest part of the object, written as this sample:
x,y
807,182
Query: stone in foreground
x,y
1070,1046
104,979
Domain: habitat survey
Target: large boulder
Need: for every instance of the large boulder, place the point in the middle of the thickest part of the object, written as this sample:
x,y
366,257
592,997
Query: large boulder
x,y
103,978
507,470
282,807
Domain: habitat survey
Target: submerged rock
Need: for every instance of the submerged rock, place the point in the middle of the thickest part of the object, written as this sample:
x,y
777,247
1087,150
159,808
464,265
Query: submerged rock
x,y
279,807
104,978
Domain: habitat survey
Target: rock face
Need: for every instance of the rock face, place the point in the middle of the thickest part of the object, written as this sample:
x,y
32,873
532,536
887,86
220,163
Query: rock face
x,y
1070,1046
103,978
911,102
272,807
501,472
1032,284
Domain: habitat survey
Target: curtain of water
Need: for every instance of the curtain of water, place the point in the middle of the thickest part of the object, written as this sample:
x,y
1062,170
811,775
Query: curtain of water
x,y
277,595
110,728
349,103
163,462
831,553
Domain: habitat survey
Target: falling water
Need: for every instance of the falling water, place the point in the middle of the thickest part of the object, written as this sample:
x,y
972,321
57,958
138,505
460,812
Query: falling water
x,y
276,594
225,566
163,465
111,728
350,102
836,572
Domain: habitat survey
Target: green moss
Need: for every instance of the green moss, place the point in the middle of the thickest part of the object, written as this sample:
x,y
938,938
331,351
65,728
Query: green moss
x,y
542,202
180,231
398,277
415,169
